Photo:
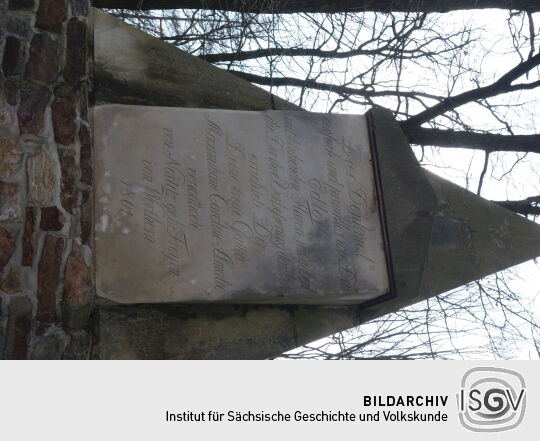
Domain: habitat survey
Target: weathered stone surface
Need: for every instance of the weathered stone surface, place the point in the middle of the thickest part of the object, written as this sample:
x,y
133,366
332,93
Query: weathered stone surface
x,y
196,331
32,144
34,100
52,219
51,14
19,326
68,188
19,25
10,157
296,190
41,179
3,13
29,237
13,56
10,202
18,5
131,67
50,345
76,51
86,154
75,225
44,61
5,117
7,247
12,284
64,112
78,347
83,103
86,217
48,278
2,328
77,291
11,89
79,8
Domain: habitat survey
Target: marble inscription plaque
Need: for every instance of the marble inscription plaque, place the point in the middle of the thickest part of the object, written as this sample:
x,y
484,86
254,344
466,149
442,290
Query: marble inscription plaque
x,y
197,205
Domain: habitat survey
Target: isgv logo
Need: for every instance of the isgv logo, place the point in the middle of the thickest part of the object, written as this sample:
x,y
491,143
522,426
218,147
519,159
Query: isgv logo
x,y
491,399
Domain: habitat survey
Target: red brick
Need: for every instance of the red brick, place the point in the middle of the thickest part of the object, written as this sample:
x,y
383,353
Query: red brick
x,y
13,56
18,5
11,90
77,290
68,187
52,219
63,115
34,100
19,326
76,51
86,154
86,218
29,237
51,14
44,61
7,246
48,278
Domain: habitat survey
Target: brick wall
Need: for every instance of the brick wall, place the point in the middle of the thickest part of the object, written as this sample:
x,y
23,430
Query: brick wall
x,y
45,180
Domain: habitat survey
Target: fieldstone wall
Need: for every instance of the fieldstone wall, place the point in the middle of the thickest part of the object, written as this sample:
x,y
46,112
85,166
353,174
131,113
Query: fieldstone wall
x,y
45,180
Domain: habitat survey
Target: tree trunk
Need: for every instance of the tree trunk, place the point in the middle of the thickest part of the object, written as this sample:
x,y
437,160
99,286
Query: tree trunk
x,y
490,142
327,6
526,207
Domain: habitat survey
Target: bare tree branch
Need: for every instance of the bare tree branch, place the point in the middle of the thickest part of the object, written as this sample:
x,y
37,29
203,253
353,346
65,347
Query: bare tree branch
x,y
489,142
324,6
340,90
289,52
527,207
386,50
502,85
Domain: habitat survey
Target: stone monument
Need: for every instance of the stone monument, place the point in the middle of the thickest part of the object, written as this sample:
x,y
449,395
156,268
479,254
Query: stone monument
x,y
426,235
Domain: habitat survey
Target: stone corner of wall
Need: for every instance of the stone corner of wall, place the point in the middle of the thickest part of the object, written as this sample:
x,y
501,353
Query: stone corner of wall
x,y
46,288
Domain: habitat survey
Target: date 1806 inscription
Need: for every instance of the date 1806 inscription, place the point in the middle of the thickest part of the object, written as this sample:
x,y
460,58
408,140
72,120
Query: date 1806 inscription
x,y
196,205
